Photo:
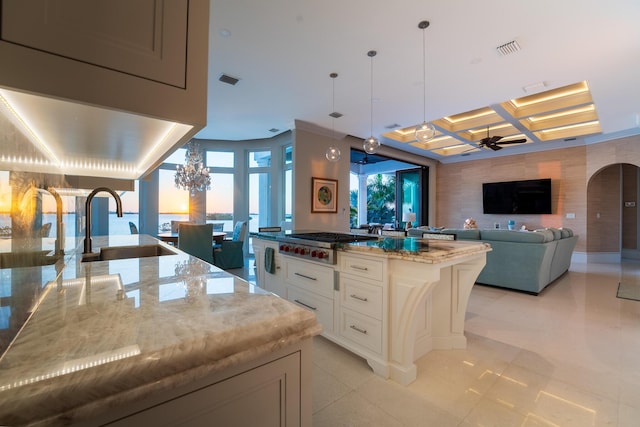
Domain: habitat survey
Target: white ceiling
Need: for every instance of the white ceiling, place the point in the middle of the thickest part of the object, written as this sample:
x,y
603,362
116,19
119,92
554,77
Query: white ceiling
x,y
284,50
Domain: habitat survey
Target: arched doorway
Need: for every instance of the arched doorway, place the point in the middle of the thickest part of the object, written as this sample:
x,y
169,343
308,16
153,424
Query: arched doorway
x,y
612,213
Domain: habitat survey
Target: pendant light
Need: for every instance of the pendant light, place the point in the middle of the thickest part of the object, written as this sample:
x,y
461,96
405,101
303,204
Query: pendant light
x,y
371,144
426,131
333,152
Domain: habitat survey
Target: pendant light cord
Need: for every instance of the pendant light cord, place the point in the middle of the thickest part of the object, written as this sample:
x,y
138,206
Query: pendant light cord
x,y
333,104
423,26
371,54
424,77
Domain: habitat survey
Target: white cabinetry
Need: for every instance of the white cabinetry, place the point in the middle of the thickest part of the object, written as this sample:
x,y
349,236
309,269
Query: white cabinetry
x,y
268,392
389,310
362,307
311,285
272,282
146,57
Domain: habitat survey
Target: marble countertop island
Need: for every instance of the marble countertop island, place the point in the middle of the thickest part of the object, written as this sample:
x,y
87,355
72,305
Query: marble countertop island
x,y
95,335
430,251
418,249
396,298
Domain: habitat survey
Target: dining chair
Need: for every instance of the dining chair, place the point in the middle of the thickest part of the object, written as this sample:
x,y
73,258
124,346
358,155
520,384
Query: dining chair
x,y
175,224
45,230
230,253
196,240
133,228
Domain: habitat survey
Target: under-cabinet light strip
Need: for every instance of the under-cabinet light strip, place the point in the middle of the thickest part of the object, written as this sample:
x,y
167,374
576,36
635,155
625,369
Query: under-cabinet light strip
x,y
44,148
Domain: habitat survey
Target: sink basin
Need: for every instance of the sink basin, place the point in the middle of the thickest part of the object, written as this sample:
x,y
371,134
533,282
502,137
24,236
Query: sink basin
x,y
125,252
27,259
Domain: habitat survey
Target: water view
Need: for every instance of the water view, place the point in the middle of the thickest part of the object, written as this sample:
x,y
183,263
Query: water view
x,y
116,225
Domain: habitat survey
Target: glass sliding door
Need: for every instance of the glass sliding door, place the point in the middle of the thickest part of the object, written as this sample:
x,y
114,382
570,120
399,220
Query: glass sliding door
x,y
412,188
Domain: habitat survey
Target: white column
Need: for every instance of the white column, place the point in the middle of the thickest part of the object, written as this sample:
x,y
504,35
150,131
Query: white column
x,y
362,199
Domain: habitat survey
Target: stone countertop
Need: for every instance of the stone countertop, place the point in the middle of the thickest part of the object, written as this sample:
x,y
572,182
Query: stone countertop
x,y
429,251
101,334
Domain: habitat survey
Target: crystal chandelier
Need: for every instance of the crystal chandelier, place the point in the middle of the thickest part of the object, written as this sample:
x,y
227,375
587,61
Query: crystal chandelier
x,y
193,176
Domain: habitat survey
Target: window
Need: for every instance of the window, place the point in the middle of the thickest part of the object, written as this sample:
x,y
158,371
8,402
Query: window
x,y
259,159
259,200
220,200
381,198
220,159
173,203
288,183
259,189
5,203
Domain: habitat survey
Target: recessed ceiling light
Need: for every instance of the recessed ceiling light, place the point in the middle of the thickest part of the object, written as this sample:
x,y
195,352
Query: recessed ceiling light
x,y
336,115
274,130
224,32
535,87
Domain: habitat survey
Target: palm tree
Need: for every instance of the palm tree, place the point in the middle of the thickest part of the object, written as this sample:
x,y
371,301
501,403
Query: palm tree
x,y
381,196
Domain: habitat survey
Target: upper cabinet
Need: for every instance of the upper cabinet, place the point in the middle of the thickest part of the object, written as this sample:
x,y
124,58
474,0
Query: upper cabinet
x,y
133,63
146,39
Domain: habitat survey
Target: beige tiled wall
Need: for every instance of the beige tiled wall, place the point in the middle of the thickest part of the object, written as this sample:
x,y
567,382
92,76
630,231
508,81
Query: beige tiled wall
x,y
630,175
577,188
459,189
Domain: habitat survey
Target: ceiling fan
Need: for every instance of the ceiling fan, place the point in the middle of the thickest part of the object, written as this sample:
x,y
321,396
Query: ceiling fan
x,y
492,141
364,160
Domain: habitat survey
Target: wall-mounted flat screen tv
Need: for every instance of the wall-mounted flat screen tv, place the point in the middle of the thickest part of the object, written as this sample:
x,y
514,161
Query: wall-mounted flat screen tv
x,y
532,196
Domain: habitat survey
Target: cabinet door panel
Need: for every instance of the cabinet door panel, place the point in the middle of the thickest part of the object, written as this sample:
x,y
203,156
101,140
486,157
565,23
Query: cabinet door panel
x,y
321,306
145,38
362,330
271,392
310,276
369,268
360,296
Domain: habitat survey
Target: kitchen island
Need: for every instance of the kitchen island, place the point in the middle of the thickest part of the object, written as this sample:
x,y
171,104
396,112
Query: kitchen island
x,y
150,341
389,300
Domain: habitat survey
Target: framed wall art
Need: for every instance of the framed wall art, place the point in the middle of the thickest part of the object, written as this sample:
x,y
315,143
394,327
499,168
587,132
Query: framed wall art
x,y
324,195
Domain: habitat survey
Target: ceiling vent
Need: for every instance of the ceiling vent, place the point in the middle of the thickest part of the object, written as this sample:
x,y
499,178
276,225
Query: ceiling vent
x,y
228,79
508,48
336,115
274,130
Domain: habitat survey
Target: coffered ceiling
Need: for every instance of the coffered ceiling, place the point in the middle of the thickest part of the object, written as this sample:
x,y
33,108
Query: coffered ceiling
x,y
564,113
570,78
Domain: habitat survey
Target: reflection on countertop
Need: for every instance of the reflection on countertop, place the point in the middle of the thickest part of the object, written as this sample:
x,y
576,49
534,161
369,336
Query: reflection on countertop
x,y
100,333
418,249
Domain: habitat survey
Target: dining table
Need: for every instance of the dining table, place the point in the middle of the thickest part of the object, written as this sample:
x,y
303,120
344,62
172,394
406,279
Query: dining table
x,y
172,238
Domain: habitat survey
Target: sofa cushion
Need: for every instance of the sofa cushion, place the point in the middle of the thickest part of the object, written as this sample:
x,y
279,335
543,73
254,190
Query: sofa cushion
x,y
557,234
462,234
566,232
549,237
514,236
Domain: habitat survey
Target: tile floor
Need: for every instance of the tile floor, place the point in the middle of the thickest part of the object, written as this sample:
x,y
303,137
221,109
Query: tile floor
x,y
568,357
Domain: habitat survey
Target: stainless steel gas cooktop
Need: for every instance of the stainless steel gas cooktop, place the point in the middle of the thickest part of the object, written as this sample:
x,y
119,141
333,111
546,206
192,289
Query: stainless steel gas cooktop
x,y
318,246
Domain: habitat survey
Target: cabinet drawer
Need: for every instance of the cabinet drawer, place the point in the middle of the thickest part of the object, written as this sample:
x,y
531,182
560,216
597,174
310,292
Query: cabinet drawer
x,y
370,268
321,306
361,330
310,276
362,297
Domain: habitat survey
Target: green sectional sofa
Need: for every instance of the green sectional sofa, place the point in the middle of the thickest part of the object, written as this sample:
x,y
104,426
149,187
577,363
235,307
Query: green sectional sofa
x,y
526,261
